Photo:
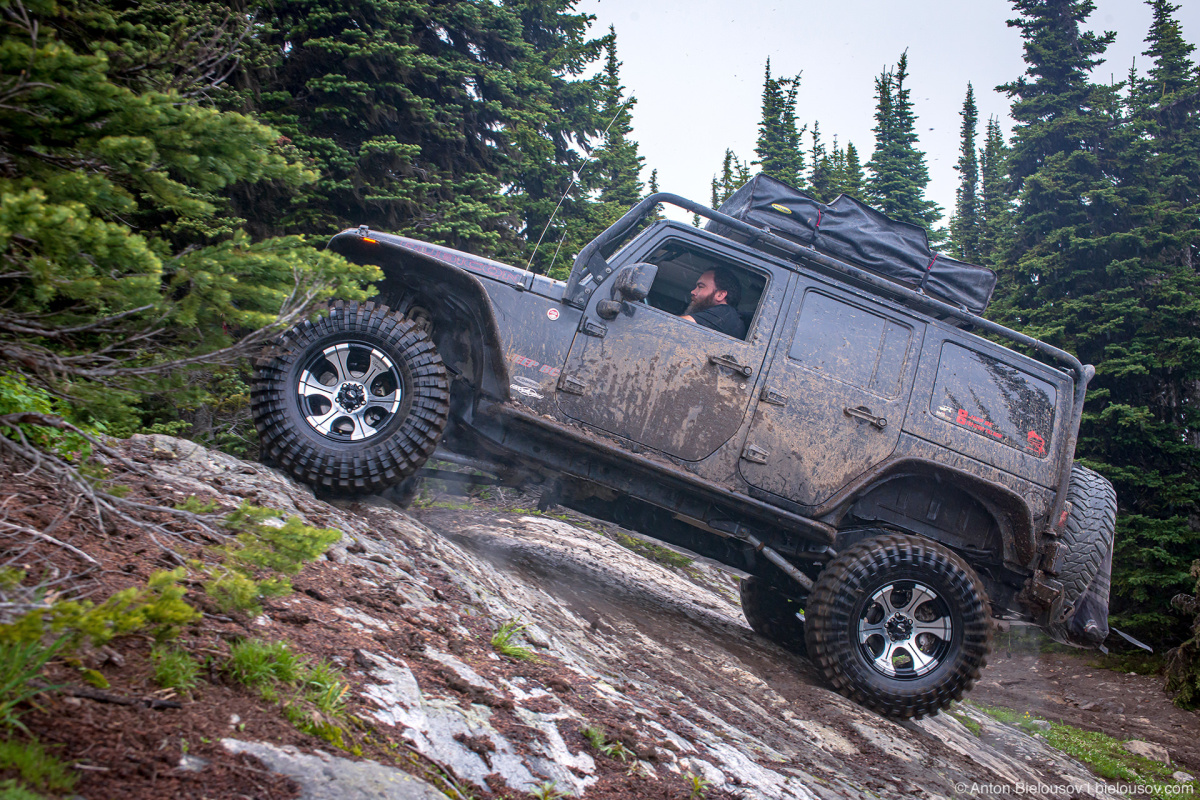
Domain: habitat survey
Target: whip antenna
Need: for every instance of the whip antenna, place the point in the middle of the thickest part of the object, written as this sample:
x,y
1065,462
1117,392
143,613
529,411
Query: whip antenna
x,y
574,178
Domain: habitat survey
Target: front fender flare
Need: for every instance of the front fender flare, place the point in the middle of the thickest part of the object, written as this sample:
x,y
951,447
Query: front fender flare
x,y
455,296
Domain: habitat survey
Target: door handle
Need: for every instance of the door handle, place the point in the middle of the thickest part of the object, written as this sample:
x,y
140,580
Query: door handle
x,y
862,412
745,370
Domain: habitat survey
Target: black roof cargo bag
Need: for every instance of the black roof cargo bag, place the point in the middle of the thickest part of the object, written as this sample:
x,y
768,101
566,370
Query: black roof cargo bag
x,y
851,231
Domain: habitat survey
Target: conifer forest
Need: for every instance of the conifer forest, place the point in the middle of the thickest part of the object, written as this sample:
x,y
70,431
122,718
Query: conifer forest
x,y
169,173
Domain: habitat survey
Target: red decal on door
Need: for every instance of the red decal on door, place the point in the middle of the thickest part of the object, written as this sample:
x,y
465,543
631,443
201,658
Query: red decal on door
x,y
1037,444
977,424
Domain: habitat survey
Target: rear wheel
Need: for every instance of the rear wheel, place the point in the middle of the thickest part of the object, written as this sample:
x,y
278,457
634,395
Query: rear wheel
x,y
773,614
354,402
899,624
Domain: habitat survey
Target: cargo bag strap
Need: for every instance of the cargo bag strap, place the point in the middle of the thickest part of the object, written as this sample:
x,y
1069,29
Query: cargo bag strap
x,y
928,272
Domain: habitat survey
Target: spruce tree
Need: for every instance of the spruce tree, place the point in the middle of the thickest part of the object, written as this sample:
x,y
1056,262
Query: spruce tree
x,y
898,173
995,198
853,181
617,165
547,172
1100,262
123,265
1154,359
778,148
964,226
734,172
823,180
431,119
652,188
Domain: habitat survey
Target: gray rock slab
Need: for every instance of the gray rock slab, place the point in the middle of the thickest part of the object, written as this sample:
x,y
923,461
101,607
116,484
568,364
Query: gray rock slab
x,y
664,653
325,777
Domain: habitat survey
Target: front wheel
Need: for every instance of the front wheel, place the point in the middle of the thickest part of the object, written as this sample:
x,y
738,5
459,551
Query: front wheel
x,y
899,624
354,402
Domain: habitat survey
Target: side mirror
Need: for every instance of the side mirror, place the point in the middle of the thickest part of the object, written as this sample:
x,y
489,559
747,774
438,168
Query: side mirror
x,y
634,282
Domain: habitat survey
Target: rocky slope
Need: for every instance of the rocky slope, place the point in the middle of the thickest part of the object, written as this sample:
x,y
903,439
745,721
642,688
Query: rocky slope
x,y
654,662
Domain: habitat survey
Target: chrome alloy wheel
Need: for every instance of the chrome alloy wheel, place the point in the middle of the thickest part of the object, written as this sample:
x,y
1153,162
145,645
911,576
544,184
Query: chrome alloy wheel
x,y
349,391
904,630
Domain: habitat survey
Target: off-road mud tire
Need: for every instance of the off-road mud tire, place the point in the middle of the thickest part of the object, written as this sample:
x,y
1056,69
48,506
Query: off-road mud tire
x,y
839,601
1088,533
402,444
1088,537
772,614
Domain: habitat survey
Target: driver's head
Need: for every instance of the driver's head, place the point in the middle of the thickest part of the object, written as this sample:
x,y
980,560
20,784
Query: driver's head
x,y
716,287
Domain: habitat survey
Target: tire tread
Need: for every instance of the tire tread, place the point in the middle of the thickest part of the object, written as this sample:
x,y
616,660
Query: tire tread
x,y
377,465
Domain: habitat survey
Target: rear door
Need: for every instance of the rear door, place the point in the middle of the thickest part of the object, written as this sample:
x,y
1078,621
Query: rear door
x,y
835,396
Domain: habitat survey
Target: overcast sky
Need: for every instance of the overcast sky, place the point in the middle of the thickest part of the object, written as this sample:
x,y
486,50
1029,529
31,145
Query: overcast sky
x,y
696,69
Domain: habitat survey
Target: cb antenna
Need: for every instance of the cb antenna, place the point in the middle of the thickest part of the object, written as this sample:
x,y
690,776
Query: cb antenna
x,y
574,178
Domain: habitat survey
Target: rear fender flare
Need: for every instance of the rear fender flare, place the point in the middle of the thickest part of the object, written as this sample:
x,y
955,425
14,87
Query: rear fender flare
x,y
1007,508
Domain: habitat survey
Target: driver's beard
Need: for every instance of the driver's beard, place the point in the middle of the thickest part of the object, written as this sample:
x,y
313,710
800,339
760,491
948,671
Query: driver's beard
x,y
697,306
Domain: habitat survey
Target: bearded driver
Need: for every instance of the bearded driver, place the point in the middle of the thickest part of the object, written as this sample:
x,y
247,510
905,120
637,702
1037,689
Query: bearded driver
x,y
714,303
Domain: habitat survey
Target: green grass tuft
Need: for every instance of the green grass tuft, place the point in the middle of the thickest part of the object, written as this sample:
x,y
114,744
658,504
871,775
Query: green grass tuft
x,y
612,748
11,790
20,663
175,669
502,641
696,785
548,791
36,766
326,688
261,666
313,695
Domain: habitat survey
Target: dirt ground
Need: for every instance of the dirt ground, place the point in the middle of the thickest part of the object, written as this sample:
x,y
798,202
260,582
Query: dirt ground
x,y
1069,687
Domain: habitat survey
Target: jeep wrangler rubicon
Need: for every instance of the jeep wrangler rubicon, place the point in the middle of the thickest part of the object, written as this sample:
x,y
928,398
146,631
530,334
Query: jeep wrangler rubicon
x,y
887,481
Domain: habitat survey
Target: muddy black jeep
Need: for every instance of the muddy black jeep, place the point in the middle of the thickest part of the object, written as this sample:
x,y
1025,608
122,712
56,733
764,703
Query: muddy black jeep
x,y
885,480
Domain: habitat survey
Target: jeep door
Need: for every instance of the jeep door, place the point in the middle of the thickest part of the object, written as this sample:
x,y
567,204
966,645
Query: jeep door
x,y
662,381
835,395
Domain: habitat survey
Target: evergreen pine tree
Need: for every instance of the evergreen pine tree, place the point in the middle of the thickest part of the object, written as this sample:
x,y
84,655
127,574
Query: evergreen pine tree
x,y
995,199
652,188
123,266
1153,352
425,118
1100,264
734,173
549,185
823,181
779,147
898,173
617,165
964,226
853,180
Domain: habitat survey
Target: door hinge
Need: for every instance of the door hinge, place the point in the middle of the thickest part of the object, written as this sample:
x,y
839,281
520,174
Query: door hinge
x,y
594,329
755,454
571,385
773,397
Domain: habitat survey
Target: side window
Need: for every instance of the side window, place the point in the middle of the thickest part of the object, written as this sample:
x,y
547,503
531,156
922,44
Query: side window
x,y
851,345
680,264
994,399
